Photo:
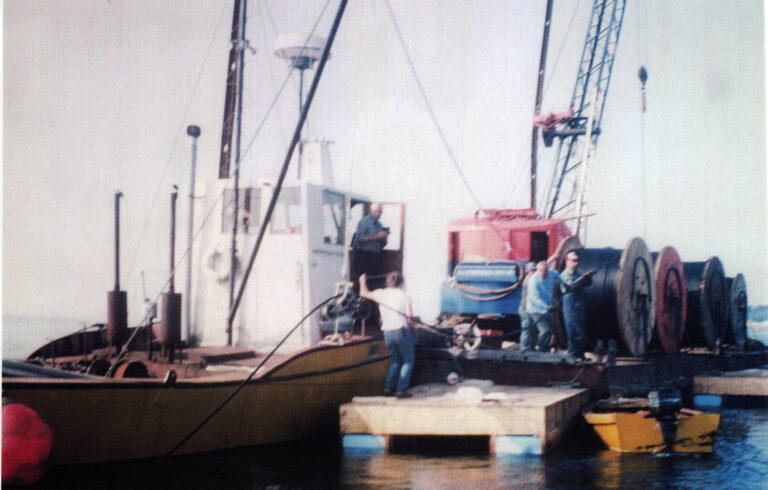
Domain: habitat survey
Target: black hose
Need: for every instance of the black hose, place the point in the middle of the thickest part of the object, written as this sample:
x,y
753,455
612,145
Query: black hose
x,y
245,381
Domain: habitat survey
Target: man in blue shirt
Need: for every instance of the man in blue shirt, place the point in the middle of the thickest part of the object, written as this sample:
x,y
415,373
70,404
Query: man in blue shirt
x,y
540,288
368,242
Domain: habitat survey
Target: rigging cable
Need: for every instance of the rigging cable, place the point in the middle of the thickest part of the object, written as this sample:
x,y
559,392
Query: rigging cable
x,y
286,163
175,143
213,208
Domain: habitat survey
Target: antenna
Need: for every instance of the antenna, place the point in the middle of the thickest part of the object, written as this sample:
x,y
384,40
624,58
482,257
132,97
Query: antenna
x,y
302,52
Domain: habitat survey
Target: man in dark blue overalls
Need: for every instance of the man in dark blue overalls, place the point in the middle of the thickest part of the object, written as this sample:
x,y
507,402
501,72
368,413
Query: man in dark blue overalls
x,y
574,305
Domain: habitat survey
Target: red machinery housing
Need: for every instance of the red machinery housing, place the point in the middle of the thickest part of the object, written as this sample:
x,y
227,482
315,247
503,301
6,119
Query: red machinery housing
x,y
505,234
486,257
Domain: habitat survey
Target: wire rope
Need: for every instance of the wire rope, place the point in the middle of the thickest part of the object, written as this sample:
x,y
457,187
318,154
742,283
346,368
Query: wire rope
x,y
175,142
430,110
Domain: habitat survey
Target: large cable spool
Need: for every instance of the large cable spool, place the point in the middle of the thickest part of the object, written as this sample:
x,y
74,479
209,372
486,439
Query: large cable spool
x,y
671,299
736,333
621,300
707,302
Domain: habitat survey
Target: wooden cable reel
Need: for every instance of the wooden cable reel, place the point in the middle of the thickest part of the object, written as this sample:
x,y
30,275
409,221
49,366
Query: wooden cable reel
x,y
671,299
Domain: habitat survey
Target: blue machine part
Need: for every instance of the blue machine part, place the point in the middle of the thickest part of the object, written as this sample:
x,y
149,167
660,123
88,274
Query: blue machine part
x,y
492,276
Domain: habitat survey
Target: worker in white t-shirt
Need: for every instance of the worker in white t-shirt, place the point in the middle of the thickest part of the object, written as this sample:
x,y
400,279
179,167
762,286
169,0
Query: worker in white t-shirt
x,y
396,323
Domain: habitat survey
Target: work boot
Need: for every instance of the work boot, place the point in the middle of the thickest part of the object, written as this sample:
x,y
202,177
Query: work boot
x,y
403,394
388,391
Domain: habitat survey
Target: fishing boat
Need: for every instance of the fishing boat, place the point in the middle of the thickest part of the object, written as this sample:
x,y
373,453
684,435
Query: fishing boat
x,y
261,361
651,425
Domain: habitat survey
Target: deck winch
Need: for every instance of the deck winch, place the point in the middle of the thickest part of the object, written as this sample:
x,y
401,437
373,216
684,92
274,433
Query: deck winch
x,y
338,315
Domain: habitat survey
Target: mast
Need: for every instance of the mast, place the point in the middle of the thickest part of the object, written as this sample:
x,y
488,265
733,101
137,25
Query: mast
x,y
286,162
539,94
239,47
233,69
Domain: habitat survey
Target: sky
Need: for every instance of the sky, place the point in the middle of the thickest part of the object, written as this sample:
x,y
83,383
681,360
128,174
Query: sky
x,y
97,96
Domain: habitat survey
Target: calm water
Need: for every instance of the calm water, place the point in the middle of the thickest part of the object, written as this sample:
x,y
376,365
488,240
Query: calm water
x,y
740,460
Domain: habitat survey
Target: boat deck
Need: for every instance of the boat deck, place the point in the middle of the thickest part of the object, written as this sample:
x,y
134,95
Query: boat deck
x,y
225,363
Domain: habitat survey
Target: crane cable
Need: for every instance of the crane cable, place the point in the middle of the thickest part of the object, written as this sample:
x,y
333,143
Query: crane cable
x,y
436,124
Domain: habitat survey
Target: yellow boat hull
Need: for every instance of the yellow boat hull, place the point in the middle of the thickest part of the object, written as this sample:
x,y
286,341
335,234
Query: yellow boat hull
x,y
636,432
117,419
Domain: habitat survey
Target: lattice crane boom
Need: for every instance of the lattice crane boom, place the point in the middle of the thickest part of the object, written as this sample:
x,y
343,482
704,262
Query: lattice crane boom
x,y
568,188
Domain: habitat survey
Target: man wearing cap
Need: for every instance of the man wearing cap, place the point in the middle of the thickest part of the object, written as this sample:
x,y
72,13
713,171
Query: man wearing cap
x,y
574,304
538,304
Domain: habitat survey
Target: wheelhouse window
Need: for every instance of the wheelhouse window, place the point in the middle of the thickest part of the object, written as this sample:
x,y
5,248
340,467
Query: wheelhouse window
x,y
286,217
249,200
333,218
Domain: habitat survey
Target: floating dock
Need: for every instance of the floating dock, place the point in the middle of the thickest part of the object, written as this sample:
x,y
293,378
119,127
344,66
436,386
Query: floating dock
x,y
710,390
516,420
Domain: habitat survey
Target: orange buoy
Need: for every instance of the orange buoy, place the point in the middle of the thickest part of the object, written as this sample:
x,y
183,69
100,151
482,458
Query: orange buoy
x,y
27,444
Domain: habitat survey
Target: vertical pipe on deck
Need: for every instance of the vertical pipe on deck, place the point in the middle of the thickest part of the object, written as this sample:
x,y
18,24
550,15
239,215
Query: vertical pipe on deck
x,y
194,132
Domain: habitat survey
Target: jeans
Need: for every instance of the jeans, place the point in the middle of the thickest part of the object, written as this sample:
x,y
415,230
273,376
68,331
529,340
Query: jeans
x,y
574,315
400,345
531,321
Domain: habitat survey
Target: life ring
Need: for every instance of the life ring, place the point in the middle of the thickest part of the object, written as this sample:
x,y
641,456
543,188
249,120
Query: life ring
x,y
217,263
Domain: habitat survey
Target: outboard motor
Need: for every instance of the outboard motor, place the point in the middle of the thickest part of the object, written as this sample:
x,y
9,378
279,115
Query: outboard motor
x,y
664,404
